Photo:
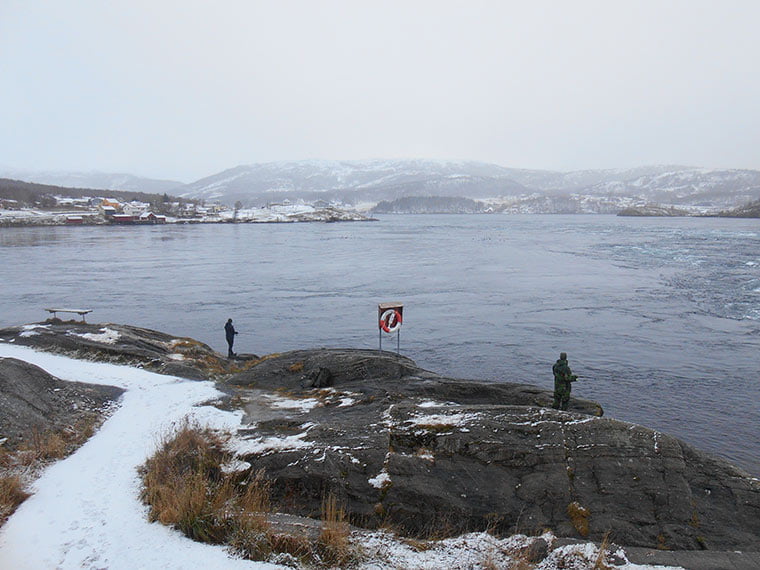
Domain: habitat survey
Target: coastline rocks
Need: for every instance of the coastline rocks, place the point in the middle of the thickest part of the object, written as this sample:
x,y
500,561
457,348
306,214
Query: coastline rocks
x,y
405,448
33,401
381,374
124,344
654,210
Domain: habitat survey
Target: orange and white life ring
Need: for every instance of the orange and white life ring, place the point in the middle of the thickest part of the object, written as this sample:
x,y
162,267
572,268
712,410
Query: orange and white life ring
x,y
390,320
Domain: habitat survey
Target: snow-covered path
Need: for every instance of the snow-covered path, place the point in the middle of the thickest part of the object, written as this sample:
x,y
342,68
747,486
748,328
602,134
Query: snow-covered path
x,y
85,511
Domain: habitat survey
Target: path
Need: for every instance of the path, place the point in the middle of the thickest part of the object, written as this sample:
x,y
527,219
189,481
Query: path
x,y
85,511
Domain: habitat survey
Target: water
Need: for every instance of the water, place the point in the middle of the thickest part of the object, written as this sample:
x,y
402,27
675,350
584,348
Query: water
x,y
660,316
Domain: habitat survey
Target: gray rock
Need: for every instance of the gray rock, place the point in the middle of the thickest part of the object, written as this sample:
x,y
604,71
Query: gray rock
x,y
404,447
123,344
32,401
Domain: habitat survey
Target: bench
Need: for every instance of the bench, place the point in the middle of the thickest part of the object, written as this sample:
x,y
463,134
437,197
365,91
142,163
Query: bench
x,y
80,312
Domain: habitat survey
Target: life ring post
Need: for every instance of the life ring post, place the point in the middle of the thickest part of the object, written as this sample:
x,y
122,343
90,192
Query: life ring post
x,y
390,316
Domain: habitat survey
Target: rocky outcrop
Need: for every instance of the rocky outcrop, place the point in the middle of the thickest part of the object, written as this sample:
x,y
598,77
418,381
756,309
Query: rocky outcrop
x,y
125,344
33,401
429,455
425,454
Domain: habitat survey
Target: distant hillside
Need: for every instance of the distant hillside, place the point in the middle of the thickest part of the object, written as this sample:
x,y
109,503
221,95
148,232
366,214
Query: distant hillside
x,y
100,180
353,182
365,184
28,194
508,189
430,205
751,210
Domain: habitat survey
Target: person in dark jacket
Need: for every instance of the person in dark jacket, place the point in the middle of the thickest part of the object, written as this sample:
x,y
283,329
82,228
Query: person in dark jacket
x,y
563,376
230,333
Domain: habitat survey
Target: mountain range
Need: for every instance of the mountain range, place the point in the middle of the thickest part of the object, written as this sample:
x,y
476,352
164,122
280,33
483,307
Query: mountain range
x,y
364,184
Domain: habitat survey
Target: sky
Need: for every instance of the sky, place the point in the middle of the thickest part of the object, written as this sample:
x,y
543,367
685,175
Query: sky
x,y
184,89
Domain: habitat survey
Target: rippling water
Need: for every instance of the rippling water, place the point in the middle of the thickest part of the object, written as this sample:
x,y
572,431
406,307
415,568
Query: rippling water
x,y
661,316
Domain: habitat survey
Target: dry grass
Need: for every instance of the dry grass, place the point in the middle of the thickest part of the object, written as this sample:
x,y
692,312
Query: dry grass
x,y
28,458
579,517
333,544
184,484
12,494
186,488
601,558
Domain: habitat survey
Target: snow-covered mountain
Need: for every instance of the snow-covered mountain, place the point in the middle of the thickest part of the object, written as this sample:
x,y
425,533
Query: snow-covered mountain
x,y
368,182
96,180
354,182
373,181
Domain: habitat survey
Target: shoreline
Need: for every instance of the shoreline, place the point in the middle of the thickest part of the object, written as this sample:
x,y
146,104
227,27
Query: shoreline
x,y
416,443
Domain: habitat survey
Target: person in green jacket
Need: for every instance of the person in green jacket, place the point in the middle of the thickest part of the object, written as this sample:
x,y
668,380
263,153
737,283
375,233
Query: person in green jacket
x,y
563,376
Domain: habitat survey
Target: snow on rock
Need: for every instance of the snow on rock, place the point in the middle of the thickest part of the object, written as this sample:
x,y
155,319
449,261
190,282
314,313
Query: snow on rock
x,y
264,445
301,404
381,480
444,420
31,330
105,336
235,466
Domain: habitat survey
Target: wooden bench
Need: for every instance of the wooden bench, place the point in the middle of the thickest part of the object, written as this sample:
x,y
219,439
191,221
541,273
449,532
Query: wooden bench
x,y
80,312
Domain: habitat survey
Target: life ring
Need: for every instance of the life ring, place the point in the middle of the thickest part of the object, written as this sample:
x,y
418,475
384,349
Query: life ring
x,y
390,320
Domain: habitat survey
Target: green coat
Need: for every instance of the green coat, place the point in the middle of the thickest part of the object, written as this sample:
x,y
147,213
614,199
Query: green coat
x,y
562,377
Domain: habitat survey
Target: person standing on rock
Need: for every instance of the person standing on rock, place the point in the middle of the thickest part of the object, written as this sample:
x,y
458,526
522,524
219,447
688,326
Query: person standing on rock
x,y
563,376
230,333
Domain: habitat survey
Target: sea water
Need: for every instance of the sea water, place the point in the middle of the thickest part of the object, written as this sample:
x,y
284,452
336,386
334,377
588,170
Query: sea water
x,y
660,316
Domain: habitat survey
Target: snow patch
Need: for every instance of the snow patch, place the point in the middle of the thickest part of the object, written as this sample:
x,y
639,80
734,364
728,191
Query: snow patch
x,y
105,336
31,330
235,466
266,445
381,480
453,420
303,405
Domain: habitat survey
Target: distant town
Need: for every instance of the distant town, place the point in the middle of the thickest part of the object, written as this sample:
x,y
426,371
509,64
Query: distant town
x,y
86,210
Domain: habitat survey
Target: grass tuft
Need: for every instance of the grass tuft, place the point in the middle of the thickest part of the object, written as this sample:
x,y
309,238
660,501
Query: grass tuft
x,y
601,558
12,494
579,516
333,544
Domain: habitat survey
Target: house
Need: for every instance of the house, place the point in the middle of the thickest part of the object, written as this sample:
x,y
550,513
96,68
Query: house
x,y
151,218
108,211
135,208
122,219
74,220
113,202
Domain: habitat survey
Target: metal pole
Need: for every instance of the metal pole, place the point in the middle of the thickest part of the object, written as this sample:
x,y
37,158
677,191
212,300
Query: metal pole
x,y
380,337
398,341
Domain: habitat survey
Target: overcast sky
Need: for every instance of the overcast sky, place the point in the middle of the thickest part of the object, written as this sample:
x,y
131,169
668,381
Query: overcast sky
x,y
185,89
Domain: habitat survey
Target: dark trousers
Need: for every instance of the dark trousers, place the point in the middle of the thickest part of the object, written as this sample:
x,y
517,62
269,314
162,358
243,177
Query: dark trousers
x,y
230,341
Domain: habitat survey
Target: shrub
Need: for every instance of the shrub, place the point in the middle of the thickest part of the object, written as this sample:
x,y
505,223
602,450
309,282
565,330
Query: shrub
x,y
12,494
186,488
